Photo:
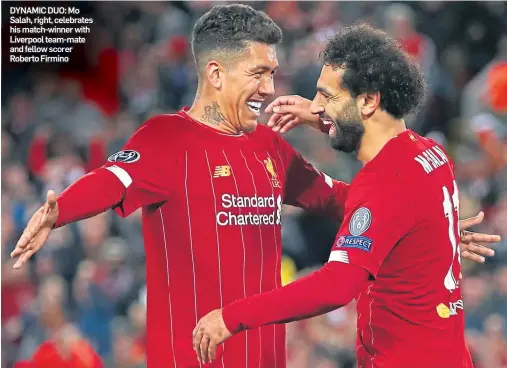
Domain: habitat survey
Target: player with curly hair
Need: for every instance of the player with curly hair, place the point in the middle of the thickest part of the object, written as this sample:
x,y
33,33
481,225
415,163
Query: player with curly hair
x,y
211,183
396,251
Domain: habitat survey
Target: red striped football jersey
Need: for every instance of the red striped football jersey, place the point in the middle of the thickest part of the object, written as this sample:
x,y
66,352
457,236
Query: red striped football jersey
x,y
211,223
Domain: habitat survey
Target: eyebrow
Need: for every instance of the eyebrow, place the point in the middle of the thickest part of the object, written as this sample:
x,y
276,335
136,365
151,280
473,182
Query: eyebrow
x,y
324,91
264,68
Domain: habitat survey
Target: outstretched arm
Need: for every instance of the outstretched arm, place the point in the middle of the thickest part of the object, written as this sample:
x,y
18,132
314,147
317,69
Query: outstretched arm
x,y
92,194
132,178
317,293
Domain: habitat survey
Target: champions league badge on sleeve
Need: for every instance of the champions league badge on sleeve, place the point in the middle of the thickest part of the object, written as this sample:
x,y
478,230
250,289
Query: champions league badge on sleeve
x,y
127,156
359,223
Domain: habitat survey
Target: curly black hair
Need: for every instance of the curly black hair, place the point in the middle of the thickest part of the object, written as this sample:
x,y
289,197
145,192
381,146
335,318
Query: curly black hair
x,y
374,62
229,28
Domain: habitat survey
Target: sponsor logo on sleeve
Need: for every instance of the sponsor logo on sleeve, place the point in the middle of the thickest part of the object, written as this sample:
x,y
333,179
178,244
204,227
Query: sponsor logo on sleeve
x,y
359,242
127,156
360,221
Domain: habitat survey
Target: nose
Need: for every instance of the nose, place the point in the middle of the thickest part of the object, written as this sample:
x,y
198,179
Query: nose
x,y
317,107
267,86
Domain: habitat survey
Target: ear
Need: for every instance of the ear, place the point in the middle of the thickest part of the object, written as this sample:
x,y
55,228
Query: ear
x,y
368,103
214,73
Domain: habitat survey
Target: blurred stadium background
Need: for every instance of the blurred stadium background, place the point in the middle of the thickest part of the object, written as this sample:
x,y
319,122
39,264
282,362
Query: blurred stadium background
x,y
59,123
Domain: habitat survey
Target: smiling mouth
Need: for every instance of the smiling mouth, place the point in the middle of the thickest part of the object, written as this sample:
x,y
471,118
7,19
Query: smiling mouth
x,y
255,107
329,122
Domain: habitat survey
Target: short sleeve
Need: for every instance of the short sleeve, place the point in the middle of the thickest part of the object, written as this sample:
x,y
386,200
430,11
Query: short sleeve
x,y
375,221
310,189
139,167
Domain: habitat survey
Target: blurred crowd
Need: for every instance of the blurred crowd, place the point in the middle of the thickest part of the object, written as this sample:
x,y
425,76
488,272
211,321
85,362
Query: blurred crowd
x,y
86,287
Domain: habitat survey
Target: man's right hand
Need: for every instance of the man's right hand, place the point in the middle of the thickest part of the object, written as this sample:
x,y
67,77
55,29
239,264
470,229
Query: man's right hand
x,y
289,112
37,231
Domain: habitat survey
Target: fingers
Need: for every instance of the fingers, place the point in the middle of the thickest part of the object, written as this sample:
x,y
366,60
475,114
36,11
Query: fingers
x,y
478,249
201,345
204,348
469,237
472,221
196,329
273,119
291,124
212,350
24,240
281,122
197,343
472,256
33,246
31,230
287,109
18,251
20,262
282,100
51,199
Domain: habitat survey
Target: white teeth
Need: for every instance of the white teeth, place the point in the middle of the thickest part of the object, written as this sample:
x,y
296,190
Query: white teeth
x,y
255,107
255,104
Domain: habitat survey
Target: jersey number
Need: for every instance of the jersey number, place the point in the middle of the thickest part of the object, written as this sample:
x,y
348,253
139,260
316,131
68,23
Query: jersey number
x,y
451,204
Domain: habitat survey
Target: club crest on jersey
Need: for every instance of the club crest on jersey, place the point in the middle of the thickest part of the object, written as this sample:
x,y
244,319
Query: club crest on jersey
x,y
445,311
360,221
270,167
127,156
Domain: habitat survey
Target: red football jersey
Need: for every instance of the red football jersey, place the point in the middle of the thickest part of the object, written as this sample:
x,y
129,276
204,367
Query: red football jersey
x,y
211,222
401,225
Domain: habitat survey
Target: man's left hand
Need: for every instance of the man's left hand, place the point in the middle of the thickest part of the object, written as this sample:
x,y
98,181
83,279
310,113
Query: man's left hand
x,y
208,334
469,241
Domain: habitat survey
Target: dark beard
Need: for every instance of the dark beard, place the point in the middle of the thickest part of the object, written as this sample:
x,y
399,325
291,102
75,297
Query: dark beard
x,y
348,137
349,131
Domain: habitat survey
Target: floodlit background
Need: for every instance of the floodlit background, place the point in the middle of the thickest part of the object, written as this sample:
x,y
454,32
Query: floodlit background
x,y
57,124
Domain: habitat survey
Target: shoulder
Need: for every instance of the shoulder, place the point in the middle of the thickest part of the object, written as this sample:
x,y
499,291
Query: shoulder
x,y
273,140
378,186
404,158
160,129
265,133
163,123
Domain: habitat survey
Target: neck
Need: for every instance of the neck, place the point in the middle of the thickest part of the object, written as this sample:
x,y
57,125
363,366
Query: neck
x,y
377,133
208,111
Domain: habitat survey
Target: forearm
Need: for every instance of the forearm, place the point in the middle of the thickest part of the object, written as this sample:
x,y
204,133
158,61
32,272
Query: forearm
x,y
317,293
336,206
92,194
325,197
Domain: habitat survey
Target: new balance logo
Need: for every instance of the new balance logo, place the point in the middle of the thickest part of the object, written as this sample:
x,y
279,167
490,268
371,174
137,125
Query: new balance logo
x,y
339,256
222,171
